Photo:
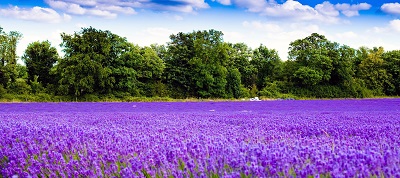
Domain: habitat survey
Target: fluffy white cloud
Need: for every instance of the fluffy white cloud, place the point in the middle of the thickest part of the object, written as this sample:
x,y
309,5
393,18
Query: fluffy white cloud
x,y
352,10
111,9
393,26
34,14
90,8
328,9
297,11
325,12
391,8
185,6
289,8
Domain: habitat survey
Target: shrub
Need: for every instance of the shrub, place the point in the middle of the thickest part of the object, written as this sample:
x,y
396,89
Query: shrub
x,y
20,87
3,91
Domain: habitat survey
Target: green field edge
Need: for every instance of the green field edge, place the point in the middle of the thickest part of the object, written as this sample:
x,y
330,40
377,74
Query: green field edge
x,y
13,98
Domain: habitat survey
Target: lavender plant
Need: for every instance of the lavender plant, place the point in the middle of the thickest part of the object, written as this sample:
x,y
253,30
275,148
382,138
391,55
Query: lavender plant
x,y
332,138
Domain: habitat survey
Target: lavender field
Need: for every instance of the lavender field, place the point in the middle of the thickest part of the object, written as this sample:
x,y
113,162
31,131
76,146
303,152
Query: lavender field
x,y
320,138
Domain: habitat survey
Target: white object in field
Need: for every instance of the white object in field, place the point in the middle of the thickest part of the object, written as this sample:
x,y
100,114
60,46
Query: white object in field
x,y
255,99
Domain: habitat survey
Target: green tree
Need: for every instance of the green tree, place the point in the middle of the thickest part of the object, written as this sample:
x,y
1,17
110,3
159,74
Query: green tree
x,y
124,73
40,58
90,57
22,72
307,76
161,51
317,54
150,69
372,71
180,51
392,66
268,65
239,57
343,68
196,64
234,87
8,57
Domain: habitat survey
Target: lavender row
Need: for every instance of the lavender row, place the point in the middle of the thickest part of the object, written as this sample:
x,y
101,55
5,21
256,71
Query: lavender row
x,y
256,139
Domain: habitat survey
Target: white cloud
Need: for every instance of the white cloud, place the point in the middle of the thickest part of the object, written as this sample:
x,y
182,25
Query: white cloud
x,y
119,9
251,5
393,26
328,9
279,37
391,8
291,9
224,2
68,7
89,8
295,10
186,6
36,13
102,13
352,10
111,9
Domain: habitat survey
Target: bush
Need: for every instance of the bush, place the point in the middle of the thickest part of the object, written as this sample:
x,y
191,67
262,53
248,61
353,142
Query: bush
x,y
36,86
253,91
356,88
271,90
43,97
90,97
3,91
319,91
20,87
244,92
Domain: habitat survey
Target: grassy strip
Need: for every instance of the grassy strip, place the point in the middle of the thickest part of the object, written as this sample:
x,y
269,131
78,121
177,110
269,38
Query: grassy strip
x,y
43,97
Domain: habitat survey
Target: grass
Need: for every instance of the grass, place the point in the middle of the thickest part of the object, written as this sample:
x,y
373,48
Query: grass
x,y
43,97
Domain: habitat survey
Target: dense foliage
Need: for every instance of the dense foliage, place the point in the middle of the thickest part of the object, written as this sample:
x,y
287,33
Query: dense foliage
x,y
326,138
199,64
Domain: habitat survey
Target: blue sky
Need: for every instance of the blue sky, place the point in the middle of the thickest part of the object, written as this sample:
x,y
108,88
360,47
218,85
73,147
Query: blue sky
x,y
274,23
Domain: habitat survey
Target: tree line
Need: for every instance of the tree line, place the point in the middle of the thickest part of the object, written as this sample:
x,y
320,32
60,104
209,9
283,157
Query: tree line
x,y
198,64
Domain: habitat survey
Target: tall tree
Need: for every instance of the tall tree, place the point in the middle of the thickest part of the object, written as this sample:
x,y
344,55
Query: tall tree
x,y
8,56
392,66
180,52
372,71
89,58
234,84
40,58
196,64
343,69
239,57
149,69
315,53
268,65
